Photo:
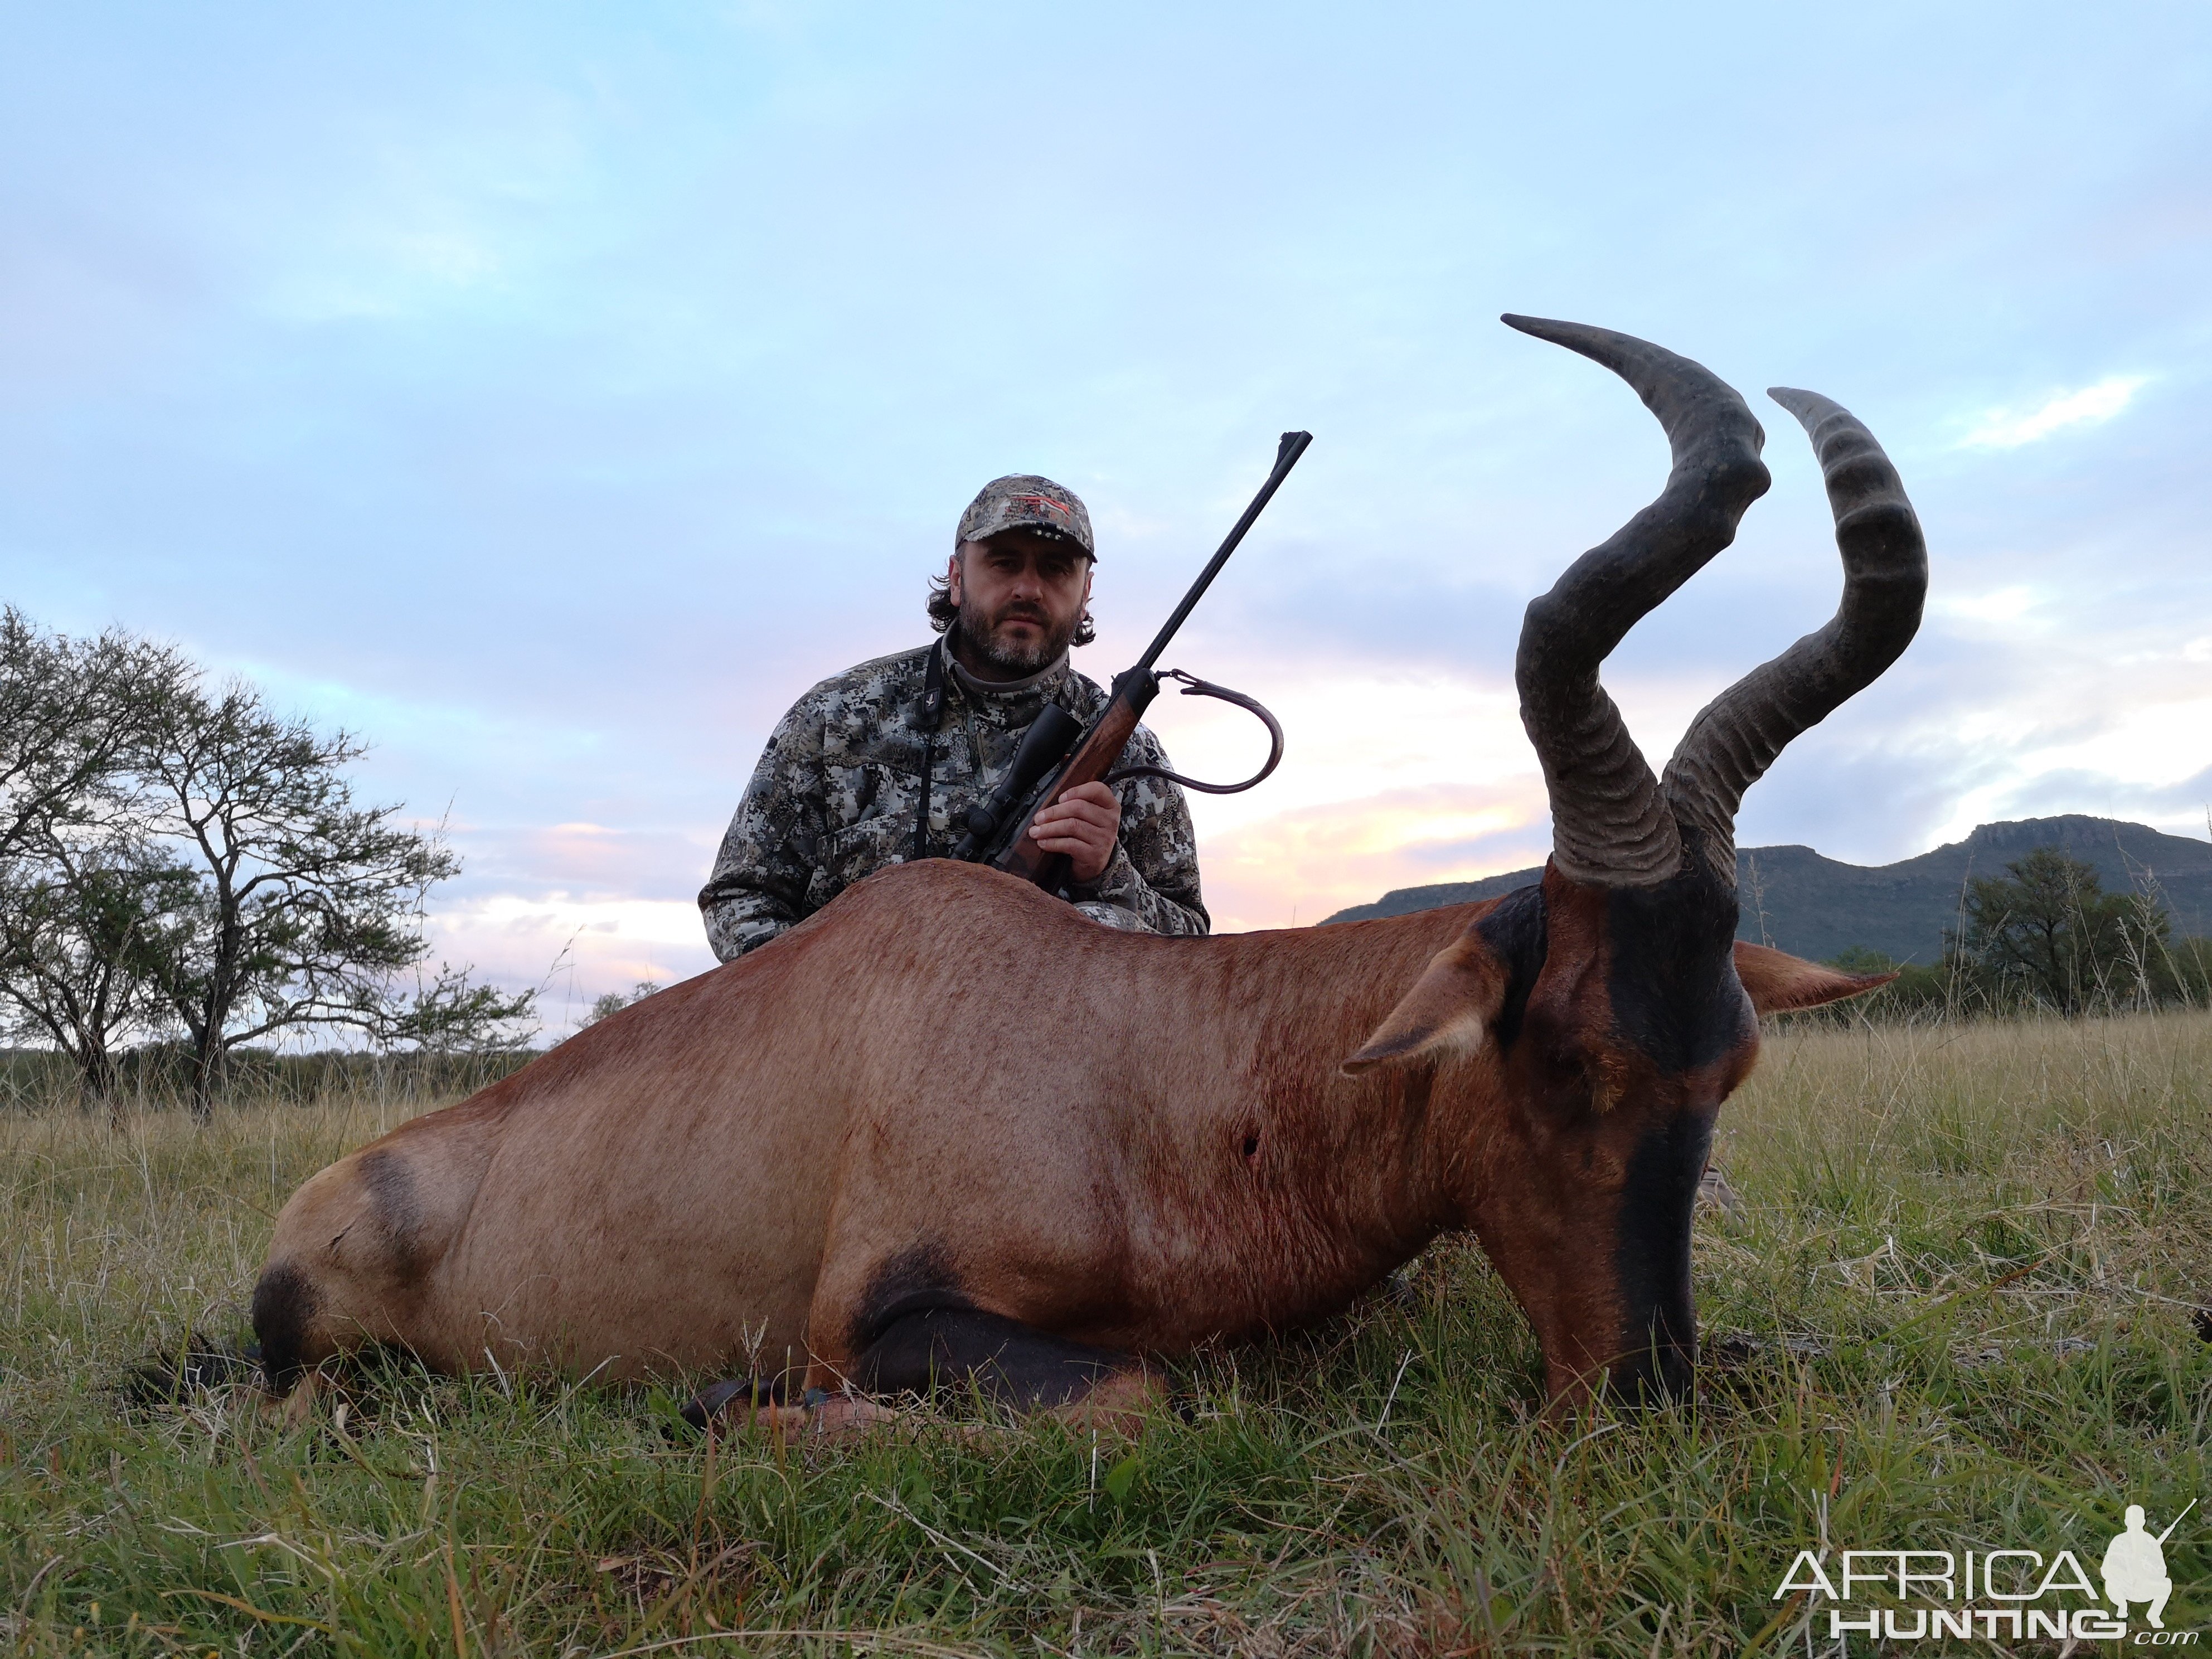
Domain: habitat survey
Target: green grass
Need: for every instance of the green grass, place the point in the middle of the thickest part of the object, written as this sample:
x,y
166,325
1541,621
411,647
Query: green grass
x,y
1958,1301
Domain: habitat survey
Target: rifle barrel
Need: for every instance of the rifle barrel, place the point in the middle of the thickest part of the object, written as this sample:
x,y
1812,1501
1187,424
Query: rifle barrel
x,y
1286,457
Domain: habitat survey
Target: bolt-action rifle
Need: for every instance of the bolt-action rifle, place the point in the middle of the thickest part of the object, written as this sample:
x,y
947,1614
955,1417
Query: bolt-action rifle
x,y
997,836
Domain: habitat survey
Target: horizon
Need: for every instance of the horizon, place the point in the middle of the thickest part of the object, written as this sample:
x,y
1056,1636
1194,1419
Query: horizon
x,y
552,396
1807,846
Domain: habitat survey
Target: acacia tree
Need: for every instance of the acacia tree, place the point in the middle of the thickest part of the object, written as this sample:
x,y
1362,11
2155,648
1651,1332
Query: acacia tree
x,y
80,890
173,858
2048,928
306,906
82,918
69,711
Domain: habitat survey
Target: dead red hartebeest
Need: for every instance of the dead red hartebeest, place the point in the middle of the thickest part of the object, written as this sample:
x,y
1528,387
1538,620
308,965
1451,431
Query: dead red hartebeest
x,y
950,1131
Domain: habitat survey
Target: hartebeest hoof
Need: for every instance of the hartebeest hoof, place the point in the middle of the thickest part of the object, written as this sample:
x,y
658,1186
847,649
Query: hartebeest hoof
x,y
838,1418
1121,1404
818,1416
293,1407
710,1403
1121,1407
300,1406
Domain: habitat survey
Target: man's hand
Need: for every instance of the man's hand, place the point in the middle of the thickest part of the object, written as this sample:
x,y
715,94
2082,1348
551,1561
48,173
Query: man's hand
x,y
1082,823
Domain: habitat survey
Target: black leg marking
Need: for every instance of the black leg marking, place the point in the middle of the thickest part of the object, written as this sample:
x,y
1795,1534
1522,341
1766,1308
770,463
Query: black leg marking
x,y
910,1282
933,1348
284,1305
916,1332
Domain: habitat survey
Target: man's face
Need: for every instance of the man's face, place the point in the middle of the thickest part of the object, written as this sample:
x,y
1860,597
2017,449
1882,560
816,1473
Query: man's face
x,y
1020,595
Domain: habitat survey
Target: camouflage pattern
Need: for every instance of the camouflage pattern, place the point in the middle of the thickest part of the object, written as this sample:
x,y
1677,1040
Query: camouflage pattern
x,y
838,791
1022,500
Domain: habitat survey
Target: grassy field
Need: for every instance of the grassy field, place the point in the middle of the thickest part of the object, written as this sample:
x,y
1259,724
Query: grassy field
x,y
1956,1311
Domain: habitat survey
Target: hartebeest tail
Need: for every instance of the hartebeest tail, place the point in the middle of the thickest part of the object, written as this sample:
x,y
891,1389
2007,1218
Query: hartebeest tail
x,y
847,1162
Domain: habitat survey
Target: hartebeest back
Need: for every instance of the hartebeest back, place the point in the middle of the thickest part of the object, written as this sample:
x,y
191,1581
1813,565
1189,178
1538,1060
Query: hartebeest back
x,y
850,1159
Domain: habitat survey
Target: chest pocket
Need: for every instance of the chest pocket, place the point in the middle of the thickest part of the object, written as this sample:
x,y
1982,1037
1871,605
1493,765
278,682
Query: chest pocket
x,y
872,814
860,850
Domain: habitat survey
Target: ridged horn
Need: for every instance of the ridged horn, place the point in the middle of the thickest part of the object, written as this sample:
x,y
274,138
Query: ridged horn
x,y
1732,742
1610,824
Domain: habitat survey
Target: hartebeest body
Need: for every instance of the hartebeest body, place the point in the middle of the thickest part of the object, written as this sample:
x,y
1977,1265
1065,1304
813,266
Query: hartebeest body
x,y
949,1129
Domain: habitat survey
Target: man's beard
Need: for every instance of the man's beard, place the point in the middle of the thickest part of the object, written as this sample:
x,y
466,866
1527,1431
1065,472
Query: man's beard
x,y
978,635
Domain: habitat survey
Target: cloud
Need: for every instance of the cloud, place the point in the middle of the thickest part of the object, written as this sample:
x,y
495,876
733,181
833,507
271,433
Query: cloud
x,y
1998,606
572,947
1305,864
2092,405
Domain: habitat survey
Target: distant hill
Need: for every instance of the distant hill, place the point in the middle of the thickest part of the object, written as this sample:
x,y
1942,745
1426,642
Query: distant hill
x,y
1819,908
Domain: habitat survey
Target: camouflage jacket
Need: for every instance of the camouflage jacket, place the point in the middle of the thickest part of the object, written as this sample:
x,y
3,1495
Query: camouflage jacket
x,y
838,789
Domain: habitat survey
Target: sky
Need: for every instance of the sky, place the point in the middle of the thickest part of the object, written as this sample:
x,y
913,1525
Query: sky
x,y
550,393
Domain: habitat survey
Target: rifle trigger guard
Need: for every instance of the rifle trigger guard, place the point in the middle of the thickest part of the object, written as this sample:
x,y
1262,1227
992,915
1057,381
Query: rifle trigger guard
x,y
1195,687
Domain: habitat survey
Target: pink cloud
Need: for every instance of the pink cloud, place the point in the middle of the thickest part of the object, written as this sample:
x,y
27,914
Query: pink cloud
x,y
1312,861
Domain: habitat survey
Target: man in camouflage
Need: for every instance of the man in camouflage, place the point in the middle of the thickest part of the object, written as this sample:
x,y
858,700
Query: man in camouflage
x,y
840,790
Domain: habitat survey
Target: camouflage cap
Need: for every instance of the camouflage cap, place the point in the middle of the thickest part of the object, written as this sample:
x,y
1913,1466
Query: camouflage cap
x,y
1022,500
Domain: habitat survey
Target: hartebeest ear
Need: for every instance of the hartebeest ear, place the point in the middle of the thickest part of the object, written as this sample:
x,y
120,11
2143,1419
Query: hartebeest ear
x,y
1780,984
1448,1012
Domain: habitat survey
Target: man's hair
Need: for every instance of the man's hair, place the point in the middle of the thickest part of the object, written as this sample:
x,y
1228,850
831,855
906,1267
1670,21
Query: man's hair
x,y
943,613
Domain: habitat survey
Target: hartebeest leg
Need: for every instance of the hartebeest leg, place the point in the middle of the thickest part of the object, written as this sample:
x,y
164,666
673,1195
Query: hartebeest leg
x,y
951,1351
1008,1362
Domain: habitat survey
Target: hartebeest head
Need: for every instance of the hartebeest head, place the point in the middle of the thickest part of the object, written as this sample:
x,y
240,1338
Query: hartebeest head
x,y
1614,1008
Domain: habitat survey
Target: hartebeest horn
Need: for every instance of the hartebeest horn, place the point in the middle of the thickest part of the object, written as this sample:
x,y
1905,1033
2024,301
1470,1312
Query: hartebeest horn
x,y
1736,738
1610,823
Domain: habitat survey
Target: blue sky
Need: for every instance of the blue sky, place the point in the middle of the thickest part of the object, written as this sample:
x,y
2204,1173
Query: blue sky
x,y
552,392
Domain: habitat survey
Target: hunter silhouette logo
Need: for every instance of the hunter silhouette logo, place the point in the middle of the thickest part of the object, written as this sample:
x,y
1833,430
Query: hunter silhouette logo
x,y
2134,1568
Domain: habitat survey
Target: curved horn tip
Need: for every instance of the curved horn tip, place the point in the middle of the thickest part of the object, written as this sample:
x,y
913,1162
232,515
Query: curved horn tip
x,y
1809,407
1544,328
1602,345
1636,361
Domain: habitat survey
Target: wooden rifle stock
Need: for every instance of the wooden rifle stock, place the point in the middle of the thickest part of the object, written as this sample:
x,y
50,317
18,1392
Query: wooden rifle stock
x,y
1093,759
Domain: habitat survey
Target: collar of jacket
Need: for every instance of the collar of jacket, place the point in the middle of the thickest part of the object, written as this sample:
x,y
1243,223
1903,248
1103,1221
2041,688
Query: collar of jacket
x,y
1043,683
1002,699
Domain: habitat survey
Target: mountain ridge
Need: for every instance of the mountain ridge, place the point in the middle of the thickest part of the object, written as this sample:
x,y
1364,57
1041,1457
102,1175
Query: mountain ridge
x,y
1799,901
